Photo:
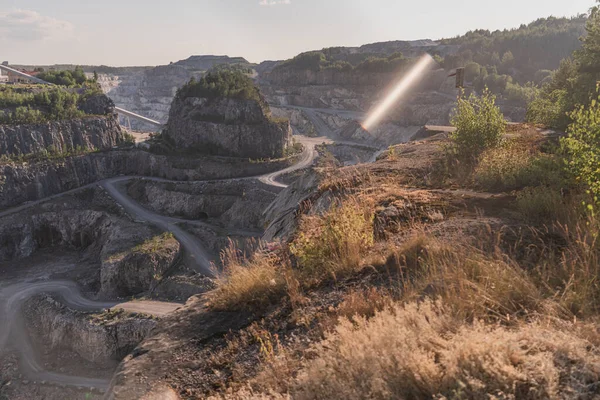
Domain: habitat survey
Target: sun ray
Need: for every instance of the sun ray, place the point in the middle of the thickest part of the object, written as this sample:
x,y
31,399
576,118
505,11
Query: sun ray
x,y
401,88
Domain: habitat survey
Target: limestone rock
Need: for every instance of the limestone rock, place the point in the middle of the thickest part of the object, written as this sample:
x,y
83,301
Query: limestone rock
x,y
100,132
227,127
59,327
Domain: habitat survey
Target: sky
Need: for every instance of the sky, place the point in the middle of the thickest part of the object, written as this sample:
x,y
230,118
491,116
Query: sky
x,y
154,32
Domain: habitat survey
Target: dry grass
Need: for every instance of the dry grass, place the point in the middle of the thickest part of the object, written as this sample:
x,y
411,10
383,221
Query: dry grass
x,y
328,247
471,283
364,303
571,274
421,351
248,283
542,205
332,246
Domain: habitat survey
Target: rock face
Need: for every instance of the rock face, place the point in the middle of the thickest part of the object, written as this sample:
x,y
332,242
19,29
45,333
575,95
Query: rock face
x,y
229,127
27,182
128,257
134,272
100,132
58,327
233,204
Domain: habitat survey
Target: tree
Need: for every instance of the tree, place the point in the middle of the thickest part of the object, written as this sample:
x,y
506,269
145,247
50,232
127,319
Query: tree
x,y
587,60
583,146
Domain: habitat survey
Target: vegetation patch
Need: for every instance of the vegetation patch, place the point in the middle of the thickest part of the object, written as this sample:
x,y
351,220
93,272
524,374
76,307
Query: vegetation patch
x,y
50,154
41,104
222,84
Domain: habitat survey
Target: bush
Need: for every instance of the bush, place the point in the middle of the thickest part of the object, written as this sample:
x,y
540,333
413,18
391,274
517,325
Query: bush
x,y
583,147
521,95
548,110
479,126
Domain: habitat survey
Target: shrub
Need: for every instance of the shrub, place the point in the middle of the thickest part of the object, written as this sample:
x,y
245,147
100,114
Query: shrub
x,y
479,126
583,147
331,246
522,95
419,351
548,109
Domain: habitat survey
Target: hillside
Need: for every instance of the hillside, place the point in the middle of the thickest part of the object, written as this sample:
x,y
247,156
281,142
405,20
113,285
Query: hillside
x,y
521,52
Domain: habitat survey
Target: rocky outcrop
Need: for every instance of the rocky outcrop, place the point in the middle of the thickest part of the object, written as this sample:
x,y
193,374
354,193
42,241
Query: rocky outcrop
x,y
228,127
21,236
27,182
94,132
139,270
103,342
282,215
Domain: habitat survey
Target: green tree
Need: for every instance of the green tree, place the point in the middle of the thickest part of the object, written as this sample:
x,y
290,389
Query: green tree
x,y
582,146
479,125
587,60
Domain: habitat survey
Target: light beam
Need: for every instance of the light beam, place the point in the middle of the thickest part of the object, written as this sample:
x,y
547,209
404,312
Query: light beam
x,y
401,88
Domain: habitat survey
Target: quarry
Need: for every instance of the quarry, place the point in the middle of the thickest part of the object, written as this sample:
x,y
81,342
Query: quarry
x,y
220,229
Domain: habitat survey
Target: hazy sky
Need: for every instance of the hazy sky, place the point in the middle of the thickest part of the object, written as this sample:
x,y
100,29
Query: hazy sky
x,y
151,32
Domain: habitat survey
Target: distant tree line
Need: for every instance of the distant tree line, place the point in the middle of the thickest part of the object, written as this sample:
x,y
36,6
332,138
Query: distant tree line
x,y
66,78
329,59
574,84
521,52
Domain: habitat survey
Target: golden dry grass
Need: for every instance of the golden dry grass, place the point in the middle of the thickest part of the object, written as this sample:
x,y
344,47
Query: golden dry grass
x,y
327,247
332,246
514,166
248,283
420,351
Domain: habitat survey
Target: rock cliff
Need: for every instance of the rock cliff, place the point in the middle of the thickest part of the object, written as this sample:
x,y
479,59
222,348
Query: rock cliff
x,y
101,342
97,129
234,204
27,182
227,126
98,132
